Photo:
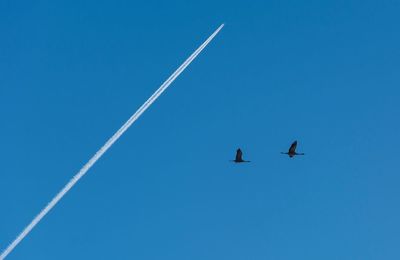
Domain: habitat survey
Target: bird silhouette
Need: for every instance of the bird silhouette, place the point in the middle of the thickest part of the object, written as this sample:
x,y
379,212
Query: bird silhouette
x,y
238,158
292,150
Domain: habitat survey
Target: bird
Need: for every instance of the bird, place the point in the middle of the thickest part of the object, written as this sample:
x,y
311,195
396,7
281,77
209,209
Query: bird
x,y
292,150
238,158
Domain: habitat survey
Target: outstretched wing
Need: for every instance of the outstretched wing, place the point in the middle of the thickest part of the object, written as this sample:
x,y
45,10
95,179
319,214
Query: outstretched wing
x,y
238,155
292,148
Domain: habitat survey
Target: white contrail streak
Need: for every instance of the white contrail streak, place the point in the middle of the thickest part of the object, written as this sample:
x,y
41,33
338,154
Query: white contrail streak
x,y
104,148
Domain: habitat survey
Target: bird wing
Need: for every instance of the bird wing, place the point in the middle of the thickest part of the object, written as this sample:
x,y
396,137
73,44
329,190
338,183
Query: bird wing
x,y
238,155
292,148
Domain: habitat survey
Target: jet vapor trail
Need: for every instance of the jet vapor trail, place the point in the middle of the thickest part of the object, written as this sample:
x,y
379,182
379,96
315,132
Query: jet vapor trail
x,y
105,147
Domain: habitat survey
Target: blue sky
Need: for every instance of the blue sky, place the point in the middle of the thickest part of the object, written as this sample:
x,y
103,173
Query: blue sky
x,y
322,72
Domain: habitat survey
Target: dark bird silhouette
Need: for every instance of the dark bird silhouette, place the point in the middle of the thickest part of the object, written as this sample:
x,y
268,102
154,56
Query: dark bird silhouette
x,y
292,150
238,158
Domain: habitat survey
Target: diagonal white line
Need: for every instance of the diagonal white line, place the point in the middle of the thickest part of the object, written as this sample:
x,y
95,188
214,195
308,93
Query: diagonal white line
x,y
104,148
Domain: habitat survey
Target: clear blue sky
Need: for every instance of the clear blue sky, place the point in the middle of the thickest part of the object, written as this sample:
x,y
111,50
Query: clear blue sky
x,y
323,72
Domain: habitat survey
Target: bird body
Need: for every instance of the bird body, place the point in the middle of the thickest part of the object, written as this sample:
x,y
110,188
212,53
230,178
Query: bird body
x,y
292,150
239,158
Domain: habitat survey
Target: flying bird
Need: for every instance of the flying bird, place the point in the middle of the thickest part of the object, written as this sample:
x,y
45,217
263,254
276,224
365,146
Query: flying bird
x,y
238,158
292,150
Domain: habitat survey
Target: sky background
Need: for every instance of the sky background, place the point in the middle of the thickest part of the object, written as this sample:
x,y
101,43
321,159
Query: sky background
x,y
325,73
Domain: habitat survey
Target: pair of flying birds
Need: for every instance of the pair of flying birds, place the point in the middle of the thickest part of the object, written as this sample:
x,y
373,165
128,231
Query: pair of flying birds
x,y
292,152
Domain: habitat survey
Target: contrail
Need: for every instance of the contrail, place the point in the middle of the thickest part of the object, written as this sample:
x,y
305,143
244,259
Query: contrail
x,y
105,147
